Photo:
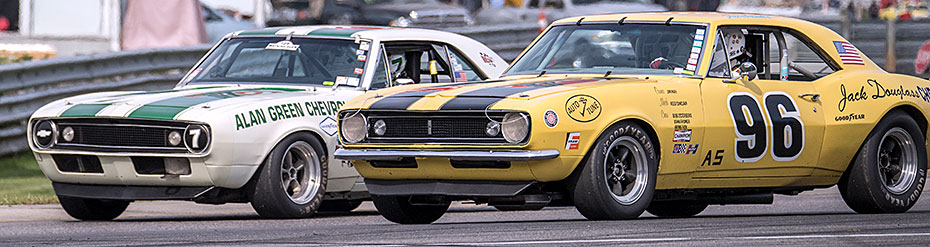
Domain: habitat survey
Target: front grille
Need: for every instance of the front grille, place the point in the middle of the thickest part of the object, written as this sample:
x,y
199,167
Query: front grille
x,y
441,127
119,135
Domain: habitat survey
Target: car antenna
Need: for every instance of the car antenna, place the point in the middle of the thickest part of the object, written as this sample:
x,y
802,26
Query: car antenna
x,y
668,22
608,73
541,73
621,21
579,21
289,36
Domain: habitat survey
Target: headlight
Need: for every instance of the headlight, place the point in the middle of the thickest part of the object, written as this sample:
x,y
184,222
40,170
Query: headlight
x,y
380,127
493,128
174,138
515,127
196,138
400,22
44,133
68,134
354,127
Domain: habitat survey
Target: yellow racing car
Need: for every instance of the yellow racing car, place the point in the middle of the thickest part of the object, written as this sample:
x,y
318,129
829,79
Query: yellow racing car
x,y
659,112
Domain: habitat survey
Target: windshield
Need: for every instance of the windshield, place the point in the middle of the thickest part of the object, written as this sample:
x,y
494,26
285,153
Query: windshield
x,y
273,60
620,49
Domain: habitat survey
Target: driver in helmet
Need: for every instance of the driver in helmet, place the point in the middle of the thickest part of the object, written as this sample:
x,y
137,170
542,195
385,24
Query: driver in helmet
x,y
736,49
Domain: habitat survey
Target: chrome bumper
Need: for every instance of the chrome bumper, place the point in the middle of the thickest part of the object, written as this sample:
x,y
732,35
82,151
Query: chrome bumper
x,y
346,154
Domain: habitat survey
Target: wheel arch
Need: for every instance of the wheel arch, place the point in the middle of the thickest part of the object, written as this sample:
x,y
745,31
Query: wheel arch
x,y
261,165
643,123
909,110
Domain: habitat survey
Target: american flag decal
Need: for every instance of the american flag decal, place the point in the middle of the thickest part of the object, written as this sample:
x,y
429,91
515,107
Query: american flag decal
x,y
848,53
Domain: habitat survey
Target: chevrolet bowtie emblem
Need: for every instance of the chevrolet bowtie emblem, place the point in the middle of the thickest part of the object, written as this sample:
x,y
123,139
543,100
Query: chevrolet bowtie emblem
x,y
43,133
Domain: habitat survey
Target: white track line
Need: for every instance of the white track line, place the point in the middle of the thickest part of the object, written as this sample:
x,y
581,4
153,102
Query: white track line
x,y
635,240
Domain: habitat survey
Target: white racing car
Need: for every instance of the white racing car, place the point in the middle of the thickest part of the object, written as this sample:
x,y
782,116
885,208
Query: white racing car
x,y
252,122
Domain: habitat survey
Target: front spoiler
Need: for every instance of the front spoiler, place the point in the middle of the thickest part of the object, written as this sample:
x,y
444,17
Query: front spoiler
x,y
465,155
121,192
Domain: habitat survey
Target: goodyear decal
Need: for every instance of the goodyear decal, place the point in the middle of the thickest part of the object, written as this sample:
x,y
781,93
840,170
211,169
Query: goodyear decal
x,y
171,107
402,100
483,98
263,115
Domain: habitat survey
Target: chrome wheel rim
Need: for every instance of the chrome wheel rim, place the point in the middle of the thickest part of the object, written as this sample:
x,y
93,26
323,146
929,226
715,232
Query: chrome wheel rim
x,y
627,172
897,160
300,172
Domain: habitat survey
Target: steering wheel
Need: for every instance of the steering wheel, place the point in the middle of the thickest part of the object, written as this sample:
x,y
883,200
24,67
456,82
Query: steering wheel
x,y
668,64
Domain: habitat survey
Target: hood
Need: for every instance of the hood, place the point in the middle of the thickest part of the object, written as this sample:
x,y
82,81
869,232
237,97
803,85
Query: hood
x,y
169,104
480,95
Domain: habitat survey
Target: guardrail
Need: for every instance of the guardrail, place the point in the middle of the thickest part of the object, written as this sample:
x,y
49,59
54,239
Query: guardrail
x,y
24,87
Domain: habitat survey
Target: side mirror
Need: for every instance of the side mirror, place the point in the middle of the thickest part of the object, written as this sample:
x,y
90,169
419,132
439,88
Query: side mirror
x,y
403,81
748,69
748,72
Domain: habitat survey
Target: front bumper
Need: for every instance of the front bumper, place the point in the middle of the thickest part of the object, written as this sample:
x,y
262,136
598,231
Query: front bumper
x,y
466,155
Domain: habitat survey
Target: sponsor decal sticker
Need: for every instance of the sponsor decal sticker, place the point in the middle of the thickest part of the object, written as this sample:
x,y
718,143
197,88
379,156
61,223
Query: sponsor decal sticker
x,y
583,108
284,45
364,46
328,125
359,52
358,71
684,148
551,118
362,58
572,141
352,81
487,59
342,80
274,113
682,136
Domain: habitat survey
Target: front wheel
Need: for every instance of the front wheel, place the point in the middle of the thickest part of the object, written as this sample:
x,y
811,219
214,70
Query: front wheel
x,y
292,181
888,173
399,209
618,179
92,209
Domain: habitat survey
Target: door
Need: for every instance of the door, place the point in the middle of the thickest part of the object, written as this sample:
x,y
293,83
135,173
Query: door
x,y
767,131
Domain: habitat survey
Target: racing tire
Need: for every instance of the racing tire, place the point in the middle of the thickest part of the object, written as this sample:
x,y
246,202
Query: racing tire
x,y
676,209
888,173
339,205
292,181
618,177
92,209
398,209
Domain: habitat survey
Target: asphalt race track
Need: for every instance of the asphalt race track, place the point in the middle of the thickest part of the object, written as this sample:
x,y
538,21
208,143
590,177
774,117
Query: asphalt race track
x,y
813,218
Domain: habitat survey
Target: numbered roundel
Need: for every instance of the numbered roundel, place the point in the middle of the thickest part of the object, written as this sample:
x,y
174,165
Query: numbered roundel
x,y
196,138
551,118
44,133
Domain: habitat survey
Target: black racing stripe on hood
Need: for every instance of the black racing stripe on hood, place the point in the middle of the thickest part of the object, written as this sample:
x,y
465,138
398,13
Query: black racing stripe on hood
x,y
402,100
481,99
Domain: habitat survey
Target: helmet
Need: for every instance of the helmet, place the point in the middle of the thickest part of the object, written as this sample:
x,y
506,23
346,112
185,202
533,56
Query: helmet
x,y
736,43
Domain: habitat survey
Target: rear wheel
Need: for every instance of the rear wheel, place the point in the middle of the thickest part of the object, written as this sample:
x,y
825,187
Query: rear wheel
x,y
339,205
888,173
618,179
676,209
292,181
399,209
92,209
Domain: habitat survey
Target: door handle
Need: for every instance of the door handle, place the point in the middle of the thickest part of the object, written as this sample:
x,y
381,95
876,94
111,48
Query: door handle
x,y
812,96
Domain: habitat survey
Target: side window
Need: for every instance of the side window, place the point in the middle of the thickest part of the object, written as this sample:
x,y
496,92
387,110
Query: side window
x,y
804,58
718,63
380,79
464,71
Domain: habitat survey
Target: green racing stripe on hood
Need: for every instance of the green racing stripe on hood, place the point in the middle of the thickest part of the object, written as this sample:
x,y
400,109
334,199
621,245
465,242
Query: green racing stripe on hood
x,y
83,110
171,107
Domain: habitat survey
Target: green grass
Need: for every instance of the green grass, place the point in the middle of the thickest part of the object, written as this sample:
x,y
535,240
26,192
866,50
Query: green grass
x,y
21,181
